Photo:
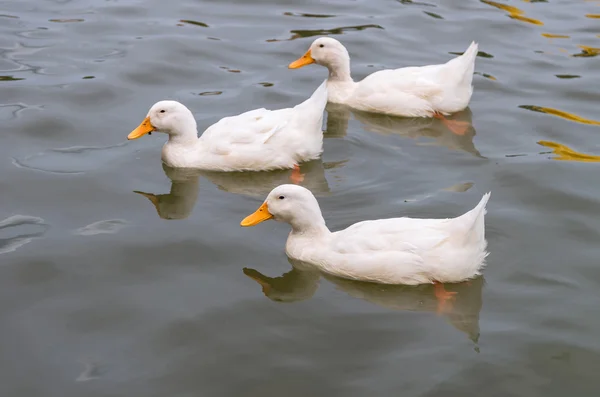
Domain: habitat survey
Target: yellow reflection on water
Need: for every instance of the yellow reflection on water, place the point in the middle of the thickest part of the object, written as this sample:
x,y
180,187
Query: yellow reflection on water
x,y
565,153
555,36
560,113
587,51
505,7
513,12
595,16
526,19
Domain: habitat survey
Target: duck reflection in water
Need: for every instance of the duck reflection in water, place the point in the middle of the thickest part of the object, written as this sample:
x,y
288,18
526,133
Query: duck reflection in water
x,y
180,201
461,309
414,128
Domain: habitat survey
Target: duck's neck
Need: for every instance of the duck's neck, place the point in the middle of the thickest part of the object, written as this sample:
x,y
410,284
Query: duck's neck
x,y
181,150
186,138
183,130
340,71
309,226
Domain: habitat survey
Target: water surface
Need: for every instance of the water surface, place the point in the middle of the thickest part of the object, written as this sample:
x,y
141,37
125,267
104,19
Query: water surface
x,y
121,277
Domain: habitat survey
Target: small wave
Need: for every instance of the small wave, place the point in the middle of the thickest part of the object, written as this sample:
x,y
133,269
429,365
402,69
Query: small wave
x,y
109,226
70,160
11,244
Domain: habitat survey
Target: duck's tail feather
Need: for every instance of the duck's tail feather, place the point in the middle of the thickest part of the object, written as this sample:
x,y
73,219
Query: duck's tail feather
x,y
318,99
464,65
474,222
312,109
468,59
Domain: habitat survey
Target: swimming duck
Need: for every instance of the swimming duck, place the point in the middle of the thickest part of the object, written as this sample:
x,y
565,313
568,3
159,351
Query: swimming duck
x,y
388,251
258,140
418,91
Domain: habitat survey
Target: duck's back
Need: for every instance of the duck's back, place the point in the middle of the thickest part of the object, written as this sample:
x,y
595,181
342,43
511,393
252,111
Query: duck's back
x,y
264,139
419,91
251,127
394,234
401,92
411,251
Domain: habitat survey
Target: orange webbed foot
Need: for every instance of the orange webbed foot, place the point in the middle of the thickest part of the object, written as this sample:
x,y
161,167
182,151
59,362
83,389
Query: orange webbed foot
x,y
296,176
443,297
457,127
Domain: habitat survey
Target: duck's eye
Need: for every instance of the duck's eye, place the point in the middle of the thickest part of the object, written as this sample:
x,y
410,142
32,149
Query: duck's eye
x,y
281,197
321,45
162,111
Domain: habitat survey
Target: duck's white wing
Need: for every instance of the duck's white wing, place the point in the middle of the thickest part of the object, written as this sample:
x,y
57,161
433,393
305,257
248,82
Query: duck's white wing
x,y
382,250
253,128
395,234
405,88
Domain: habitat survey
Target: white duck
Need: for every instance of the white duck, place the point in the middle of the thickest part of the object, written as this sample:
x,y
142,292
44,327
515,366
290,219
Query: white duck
x,y
387,251
258,140
418,91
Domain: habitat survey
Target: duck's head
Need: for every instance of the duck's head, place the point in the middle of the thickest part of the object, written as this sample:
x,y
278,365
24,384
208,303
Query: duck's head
x,y
292,204
324,51
170,117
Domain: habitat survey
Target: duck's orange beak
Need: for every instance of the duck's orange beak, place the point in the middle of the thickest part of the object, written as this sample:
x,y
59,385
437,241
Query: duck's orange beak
x,y
304,60
260,215
144,128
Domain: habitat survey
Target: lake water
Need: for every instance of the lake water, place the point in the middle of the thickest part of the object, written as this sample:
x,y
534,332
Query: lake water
x,y
109,292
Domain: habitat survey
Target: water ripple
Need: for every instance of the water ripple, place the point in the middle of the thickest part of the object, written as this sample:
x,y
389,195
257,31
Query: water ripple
x,y
66,20
416,3
303,33
109,226
90,371
296,14
71,160
568,76
196,23
18,240
20,107
433,15
10,78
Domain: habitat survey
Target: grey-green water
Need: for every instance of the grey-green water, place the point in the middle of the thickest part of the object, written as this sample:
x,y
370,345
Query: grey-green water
x,y
101,296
